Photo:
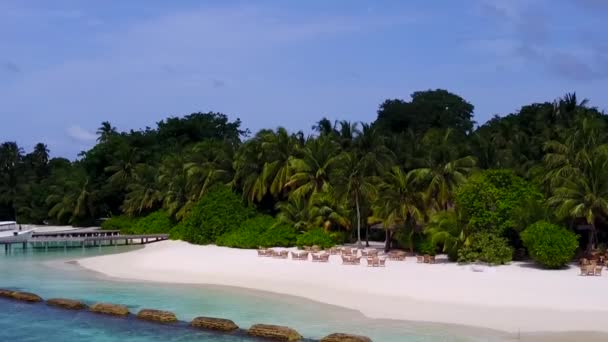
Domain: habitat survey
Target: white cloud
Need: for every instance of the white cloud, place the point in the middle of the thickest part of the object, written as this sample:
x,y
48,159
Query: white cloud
x,y
80,134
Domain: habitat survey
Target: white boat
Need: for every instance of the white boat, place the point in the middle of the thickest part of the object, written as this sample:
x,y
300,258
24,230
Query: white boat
x,y
11,232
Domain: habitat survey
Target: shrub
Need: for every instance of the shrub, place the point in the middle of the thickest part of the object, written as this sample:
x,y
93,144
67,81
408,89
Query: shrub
x,y
424,245
317,236
158,222
218,212
486,247
549,245
258,231
490,200
122,223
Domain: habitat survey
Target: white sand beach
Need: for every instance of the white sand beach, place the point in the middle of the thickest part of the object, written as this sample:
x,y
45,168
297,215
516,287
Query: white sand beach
x,y
513,298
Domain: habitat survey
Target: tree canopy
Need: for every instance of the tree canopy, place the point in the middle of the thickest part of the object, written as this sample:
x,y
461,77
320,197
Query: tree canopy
x,y
422,171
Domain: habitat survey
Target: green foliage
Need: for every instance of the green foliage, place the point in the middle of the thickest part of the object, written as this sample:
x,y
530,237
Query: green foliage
x,y
424,245
121,222
158,222
216,213
550,245
318,237
259,231
486,247
449,230
489,200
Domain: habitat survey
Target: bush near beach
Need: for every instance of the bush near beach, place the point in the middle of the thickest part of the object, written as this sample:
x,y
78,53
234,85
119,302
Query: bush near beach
x,y
550,245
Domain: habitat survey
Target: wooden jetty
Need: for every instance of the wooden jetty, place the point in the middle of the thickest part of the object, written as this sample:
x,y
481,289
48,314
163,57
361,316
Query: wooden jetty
x,y
83,238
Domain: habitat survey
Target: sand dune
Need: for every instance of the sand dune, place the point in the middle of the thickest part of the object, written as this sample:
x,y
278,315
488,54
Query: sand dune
x,y
512,298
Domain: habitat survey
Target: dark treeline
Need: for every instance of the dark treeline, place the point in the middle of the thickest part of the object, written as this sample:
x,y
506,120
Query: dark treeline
x,y
409,171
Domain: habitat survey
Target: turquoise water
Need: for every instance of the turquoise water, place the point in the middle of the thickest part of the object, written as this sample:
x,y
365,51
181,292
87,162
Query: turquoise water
x,y
52,274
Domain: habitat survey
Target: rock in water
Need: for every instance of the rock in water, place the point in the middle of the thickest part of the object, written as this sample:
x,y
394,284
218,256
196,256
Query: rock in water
x,y
67,303
26,297
275,332
338,337
110,309
157,316
6,293
212,323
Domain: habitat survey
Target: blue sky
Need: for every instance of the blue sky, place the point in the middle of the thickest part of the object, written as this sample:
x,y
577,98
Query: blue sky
x,y
68,65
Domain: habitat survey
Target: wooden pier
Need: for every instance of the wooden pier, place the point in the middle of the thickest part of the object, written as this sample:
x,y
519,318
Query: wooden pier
x,y
82,238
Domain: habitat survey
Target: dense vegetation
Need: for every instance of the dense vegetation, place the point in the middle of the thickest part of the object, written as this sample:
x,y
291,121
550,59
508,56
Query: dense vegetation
x,y
423,171
550,245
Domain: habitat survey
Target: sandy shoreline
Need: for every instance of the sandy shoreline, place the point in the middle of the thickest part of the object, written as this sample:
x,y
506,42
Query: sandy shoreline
x,y
509,298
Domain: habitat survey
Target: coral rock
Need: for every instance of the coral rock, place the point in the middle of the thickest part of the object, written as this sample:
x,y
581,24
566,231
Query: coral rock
x,y
275,332
211,323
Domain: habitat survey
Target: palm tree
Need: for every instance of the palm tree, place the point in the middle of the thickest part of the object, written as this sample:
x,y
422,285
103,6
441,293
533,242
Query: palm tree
x,y
449,229
123,167
73,200
328,210
209,163
295,212
105,132
323,127
443,171
278,148
144,193
247,170
576,176
400,202
355,181
311,169
173,179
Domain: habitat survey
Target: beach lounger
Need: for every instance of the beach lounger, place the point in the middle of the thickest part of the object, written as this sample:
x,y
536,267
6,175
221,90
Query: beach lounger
x,y
262,252
419,259
350,260
299,255
280,254
598,270
324,257
583,270
370,261
431,259
381,261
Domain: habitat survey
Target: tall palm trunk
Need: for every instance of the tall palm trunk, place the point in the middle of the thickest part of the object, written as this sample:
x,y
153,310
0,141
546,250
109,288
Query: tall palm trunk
x,y
591,237
359,244
387,242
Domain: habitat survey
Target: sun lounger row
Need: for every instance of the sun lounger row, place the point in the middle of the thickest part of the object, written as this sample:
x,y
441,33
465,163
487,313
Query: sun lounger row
x,y
591,270
374,261
425,259
272,253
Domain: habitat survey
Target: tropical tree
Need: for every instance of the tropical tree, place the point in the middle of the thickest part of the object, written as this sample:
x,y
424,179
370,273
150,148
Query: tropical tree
x,y
355,181
209,163
400,202
312,167
443,169
448,229
105,131
144,193
577,176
